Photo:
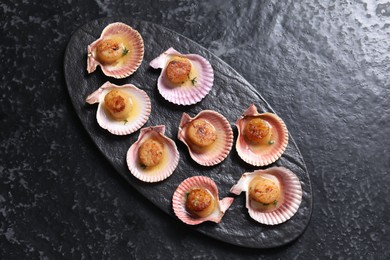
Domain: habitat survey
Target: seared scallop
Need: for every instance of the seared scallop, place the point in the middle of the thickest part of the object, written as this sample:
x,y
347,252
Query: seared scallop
x,y
118,104
150,153
178,70
264,191
201,133
200,202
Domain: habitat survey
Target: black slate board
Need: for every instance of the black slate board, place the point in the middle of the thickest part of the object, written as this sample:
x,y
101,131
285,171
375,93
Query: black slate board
x,y
230,96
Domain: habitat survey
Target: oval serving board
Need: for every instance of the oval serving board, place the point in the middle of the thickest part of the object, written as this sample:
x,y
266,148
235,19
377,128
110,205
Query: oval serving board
x,y
231,95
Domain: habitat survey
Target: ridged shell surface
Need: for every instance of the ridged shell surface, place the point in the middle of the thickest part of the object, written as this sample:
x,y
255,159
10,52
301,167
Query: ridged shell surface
x,y
180,196
168,163
265,154
133,51
217,151
291,195
194,89
137,117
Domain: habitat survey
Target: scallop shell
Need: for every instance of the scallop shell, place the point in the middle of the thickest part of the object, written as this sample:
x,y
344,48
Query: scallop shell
x,y
219,150
126,65
291,192
187,93
169,161
138,116
180,195
264,154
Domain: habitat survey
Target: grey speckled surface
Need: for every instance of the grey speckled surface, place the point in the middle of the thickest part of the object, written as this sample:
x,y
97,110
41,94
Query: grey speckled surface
x,y
324,68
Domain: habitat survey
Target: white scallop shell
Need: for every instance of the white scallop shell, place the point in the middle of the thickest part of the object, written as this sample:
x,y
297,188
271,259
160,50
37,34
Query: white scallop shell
x,y
169,161
189,93
266,155
138,116
220,149
291,192
130,64
180,196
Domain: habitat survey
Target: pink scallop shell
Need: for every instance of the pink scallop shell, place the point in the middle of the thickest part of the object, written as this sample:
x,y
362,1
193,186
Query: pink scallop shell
x,y
180,195
170,161
291,195
119,127
266,156
136,51
189,94
220,148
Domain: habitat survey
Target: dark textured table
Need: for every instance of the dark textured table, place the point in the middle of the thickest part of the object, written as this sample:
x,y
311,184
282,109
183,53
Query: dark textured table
x,y
323,67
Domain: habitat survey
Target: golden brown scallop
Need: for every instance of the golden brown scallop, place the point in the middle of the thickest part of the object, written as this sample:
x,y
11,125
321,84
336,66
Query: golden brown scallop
x,y
258,131
264,191
200,202
178,70
118,103
201,133
110,50
150,153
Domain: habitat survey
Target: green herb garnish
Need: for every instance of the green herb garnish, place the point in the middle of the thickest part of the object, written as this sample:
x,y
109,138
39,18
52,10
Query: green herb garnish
x,y
125,121
124,52
273,203
193,81
271,142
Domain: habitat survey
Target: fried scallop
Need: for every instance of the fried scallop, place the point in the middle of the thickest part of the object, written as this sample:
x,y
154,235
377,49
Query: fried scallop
x,y
121,109
150,153
201,133
185,79
208,137
273,195
196,200
258,131
178,70
154,156
119,51
264,191
118,104
200,202
262,137
110,50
